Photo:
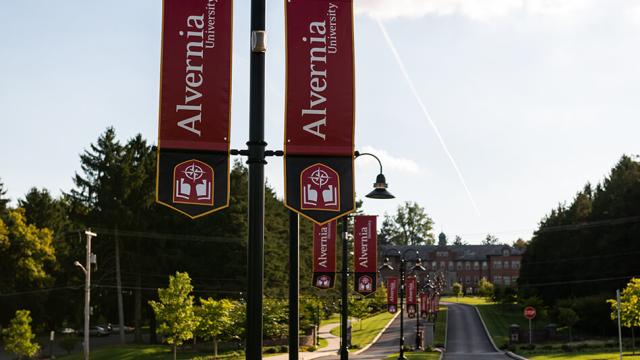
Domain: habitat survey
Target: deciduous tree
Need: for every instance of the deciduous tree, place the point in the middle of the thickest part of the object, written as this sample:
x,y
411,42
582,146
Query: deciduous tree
x,y
174,312
18,337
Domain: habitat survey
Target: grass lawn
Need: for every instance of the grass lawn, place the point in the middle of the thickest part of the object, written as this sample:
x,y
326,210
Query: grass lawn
x,y
149,352
441,326
371,326
585,356
418,356
470,300
335,318
323,343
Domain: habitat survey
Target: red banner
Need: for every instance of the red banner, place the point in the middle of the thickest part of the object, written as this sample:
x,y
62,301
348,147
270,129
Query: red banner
x,y
365,254
324,255
392,294
410,284
424,305
320,109
195,104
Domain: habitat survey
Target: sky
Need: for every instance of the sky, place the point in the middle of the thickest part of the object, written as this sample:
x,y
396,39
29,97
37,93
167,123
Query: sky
x,y
487,113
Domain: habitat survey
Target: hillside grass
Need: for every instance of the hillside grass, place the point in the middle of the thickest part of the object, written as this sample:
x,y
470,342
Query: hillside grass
x,y
148,352
363,332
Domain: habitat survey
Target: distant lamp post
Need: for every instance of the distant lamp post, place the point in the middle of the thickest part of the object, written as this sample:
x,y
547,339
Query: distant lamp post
x,y
417,267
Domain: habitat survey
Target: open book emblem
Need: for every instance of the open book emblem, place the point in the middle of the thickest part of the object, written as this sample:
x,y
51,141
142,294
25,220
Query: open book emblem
x,y
193,183
320,186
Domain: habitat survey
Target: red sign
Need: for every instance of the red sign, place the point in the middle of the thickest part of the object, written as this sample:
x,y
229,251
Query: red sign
x,y
320,111
410,285
392,294
530,312
195,104
365,254
424,305
324,255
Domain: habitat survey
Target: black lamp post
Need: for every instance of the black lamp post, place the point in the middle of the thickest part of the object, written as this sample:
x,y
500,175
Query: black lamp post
x,y
379,192
417,267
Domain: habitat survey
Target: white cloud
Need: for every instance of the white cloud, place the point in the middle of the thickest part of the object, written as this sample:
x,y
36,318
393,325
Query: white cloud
x,y
480,10
389,162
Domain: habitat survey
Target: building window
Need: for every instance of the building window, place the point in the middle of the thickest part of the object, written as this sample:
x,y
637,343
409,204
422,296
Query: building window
x,y
497,265
515,264
467,280
450,265
467,265
442,254
514,279
476,266
442,265
505,265
434,266
497,280
476,279
484,265
505,252
459,265
507,281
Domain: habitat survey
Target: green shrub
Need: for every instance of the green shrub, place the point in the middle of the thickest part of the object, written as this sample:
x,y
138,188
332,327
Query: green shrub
x,y
68,343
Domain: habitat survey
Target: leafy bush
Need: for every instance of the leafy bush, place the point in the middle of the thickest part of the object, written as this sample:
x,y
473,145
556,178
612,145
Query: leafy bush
x,y
68,343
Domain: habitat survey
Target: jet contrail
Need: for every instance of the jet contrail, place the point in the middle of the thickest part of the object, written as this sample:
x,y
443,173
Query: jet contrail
x,y
426,112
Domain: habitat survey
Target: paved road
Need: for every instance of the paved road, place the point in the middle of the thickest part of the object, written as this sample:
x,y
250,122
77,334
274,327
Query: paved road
x,y
466,337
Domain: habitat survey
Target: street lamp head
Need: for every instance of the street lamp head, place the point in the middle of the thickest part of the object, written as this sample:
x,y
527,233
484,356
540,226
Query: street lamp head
x,y
77,263
380,189
386,265
418,266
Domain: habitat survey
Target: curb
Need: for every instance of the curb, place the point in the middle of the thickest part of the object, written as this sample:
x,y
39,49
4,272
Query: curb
x,y
514,356
377,336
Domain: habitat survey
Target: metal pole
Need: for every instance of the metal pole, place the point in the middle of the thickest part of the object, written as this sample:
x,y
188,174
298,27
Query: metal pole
x,y
402,263
344,352
119,289
87,294
256,161
294,284
529,331
619,323
417,312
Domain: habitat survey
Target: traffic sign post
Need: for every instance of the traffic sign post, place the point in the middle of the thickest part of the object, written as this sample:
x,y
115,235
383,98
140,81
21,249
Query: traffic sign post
x,y
530,313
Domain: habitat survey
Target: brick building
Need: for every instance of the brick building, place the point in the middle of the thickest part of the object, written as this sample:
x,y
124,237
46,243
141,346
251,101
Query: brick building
x,y
466,264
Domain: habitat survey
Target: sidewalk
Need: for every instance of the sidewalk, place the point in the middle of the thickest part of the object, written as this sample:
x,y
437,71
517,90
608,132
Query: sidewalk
x,y
333,345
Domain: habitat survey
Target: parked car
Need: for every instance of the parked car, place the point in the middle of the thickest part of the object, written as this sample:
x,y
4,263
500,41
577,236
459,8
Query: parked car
x,y
127,329
67,331
95,330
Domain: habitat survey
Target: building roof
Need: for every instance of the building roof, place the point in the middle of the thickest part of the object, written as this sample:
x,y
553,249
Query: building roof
x,y
462,252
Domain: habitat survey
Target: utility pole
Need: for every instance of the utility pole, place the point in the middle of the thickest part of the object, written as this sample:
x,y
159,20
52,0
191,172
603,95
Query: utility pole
x,y
119,288
294,284
87,290
619,323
